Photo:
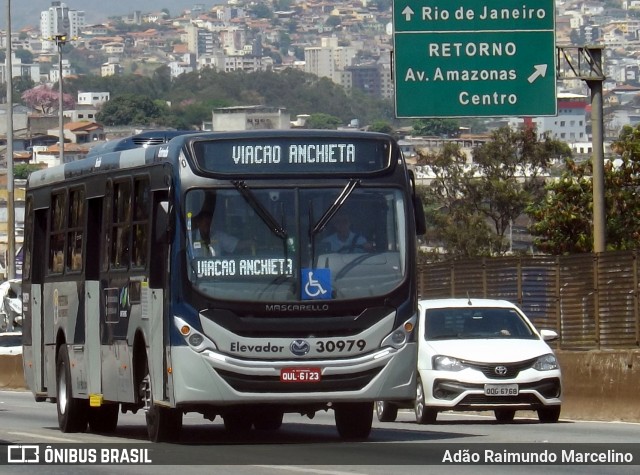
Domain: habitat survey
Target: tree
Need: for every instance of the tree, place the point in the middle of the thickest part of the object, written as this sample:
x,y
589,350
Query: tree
x,y
471,205
453,222
563,221
381,126
24,55
131,109
323,121
46,100
22,171
436,127
512,166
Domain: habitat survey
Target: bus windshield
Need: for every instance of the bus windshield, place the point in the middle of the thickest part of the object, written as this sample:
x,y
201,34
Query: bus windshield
x,y
290,244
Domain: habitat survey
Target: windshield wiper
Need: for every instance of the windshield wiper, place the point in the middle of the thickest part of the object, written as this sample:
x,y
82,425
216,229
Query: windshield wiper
x,y
264,214
334,208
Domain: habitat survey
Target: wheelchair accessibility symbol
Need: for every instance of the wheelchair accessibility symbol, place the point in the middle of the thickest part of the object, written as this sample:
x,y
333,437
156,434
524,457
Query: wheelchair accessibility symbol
x,y
316,284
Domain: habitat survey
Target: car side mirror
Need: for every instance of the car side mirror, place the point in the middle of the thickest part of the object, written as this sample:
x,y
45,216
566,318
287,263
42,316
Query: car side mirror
x,y
548,335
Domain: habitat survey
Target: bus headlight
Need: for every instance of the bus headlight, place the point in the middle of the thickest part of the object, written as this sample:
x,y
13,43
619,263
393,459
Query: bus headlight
x,y
401,335
196,340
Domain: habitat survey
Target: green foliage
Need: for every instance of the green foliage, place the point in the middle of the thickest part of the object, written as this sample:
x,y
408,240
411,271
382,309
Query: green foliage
x,y
298,92
24,55
132,109
323,121
381,126
470,206
564,219
261,10
21,171
436,127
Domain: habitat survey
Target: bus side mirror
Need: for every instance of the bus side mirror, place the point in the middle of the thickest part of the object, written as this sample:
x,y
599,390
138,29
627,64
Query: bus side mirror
x,y
421,222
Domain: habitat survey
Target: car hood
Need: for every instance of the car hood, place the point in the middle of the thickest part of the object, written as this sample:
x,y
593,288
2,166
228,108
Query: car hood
x,y
490,350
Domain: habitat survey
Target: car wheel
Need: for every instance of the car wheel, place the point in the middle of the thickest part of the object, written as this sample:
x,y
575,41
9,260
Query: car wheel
x,y
549,414
72,412
354,419
424,415
386,411
504,415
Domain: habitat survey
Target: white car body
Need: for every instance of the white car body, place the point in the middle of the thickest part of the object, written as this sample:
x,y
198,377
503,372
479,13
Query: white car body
x,y
11,343
503,364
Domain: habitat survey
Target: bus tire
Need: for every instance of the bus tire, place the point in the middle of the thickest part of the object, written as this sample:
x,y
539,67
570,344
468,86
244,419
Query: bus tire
x,y
354,419
104,419
163,423
386,411
72,412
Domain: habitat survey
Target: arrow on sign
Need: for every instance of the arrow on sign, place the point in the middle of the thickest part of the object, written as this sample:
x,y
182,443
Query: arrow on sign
x,y
540,71
407,12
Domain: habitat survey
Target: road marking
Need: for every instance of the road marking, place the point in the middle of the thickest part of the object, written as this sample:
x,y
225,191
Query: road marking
x,y
292,468
40,436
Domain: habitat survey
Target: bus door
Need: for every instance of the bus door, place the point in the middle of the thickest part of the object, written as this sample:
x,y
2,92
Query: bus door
x,y
92,295
33,287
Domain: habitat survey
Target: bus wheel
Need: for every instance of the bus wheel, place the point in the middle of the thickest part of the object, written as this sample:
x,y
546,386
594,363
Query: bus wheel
x,y
72,412
354,419
268,419
163,424
104,419
386,411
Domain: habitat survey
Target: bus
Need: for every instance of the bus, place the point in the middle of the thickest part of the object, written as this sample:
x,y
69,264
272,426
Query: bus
x,y
131,303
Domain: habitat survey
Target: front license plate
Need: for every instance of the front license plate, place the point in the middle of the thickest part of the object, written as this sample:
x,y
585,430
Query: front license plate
x,y
300,375
500,389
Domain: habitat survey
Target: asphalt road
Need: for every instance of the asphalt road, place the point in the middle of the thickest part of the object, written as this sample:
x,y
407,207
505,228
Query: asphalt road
x,y
304,446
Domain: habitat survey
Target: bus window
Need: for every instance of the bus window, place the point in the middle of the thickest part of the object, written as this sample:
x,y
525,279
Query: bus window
x,y
56,236
140,222
121,229
75,230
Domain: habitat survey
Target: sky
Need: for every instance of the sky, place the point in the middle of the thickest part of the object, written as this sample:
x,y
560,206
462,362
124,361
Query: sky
x,y
27,12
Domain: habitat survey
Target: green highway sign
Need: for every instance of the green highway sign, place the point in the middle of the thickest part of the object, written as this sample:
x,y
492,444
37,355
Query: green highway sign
x,y
474,58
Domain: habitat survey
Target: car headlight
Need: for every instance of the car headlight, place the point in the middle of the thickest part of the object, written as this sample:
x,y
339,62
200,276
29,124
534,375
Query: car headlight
x,y
446,363
546,363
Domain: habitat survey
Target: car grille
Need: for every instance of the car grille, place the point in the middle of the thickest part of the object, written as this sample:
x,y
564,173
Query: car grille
x,y
272,384
505,371
549,388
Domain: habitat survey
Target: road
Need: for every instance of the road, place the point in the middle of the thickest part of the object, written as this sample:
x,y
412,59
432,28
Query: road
x,y
312,447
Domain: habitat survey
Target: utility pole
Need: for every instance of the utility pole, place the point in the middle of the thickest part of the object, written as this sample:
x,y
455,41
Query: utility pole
x,y
11,211
60,40
585,62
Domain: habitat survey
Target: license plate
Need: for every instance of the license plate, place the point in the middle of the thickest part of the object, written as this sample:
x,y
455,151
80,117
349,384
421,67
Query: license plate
x,y
500,389
300,375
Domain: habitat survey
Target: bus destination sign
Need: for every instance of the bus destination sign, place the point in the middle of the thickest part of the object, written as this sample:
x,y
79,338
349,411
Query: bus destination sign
x,y
292,156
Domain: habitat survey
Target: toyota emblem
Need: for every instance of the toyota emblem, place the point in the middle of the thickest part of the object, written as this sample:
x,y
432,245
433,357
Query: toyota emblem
x,y
500,370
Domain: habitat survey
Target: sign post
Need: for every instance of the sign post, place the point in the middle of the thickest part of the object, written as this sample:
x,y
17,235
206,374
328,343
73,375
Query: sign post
x,y
474,58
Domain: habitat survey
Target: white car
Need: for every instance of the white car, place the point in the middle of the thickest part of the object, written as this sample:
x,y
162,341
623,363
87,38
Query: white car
x,y
11,343
478,355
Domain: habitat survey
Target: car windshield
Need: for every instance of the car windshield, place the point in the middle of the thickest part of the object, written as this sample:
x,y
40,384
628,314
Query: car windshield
x,y
468,323
275,244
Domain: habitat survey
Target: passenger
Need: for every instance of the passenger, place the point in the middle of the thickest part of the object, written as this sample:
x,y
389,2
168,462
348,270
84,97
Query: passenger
x,y
217,243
